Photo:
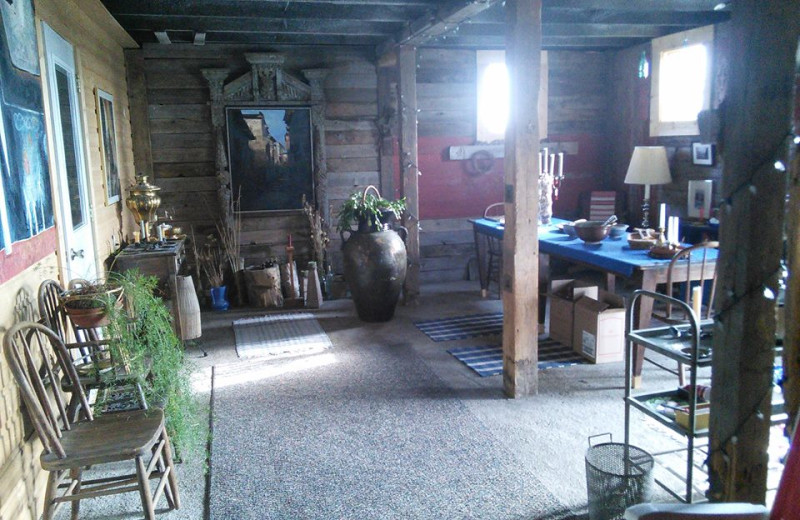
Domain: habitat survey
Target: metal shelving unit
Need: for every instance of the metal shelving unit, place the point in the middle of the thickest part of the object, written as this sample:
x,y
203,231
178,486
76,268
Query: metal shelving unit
x,y
687,343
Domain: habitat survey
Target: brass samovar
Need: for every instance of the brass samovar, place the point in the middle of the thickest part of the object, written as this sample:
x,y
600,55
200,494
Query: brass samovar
x,y
143,201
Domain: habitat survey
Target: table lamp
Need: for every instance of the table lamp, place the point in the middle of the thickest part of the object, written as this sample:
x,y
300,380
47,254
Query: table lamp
x,y
648,166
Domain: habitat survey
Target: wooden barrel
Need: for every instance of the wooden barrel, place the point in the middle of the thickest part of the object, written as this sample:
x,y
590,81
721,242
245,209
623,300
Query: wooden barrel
x,y
189,308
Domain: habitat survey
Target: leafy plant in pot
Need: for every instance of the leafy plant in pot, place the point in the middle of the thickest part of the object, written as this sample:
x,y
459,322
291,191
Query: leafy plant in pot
x,y
374,255
86,303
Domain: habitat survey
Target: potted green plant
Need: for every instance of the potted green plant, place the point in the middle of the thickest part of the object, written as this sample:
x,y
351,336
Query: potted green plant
x,y
370,211
374,255
86,303
145,341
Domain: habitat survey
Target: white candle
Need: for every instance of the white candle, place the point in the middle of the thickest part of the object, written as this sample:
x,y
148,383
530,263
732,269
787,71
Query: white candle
x,y
546,156
560,164
662,217
552,163
540,163
697,300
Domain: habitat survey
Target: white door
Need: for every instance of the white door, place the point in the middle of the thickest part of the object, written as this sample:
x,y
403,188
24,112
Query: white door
x,y
76,234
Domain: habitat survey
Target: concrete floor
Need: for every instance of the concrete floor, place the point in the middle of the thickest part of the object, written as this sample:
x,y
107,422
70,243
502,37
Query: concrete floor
x,y
548,433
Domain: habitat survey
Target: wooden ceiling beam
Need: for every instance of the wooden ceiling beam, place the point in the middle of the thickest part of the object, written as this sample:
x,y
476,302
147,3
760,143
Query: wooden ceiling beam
x,y
220,24
249,9
628,5
576,30
263,38
548,43
436,23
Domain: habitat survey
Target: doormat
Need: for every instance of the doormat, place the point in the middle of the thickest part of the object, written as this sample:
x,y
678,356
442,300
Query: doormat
x,y
487,360
279,334
461,327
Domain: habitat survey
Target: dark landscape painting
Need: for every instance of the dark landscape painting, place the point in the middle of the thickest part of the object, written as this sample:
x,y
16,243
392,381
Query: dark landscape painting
x,y
23,142
270,157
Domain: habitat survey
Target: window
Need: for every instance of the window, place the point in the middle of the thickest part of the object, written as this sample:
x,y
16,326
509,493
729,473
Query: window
x,y
494,96
681,86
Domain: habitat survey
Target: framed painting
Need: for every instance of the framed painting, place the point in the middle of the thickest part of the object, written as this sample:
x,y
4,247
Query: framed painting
x,y
108,145
703,154
270,157
699,199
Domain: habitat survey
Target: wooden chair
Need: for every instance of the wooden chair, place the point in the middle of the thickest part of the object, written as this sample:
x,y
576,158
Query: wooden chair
x,y
602,204
37,358
494,246
693,259
88,350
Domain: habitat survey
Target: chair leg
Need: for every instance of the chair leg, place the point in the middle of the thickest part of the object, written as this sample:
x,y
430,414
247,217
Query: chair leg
x,y
144,489
161,465
50,495
76,474
173,477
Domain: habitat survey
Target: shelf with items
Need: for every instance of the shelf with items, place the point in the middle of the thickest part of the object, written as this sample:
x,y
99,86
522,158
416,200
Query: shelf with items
x,y
690,344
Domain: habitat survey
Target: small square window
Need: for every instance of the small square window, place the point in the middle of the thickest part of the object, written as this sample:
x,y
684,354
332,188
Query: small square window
x,y
681,84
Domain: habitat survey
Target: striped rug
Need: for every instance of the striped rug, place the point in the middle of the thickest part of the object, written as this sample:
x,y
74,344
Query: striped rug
x,y
461,327
487,360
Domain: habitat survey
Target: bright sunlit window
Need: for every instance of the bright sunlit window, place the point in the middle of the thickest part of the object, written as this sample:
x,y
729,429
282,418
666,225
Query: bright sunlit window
x,y
494,96
681,86
493,99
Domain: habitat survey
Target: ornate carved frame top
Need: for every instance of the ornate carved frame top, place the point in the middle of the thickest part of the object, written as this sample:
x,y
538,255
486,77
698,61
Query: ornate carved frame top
x,y
266,83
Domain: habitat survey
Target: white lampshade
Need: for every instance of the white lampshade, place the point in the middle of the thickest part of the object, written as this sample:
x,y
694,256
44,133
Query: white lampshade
x,y
648,166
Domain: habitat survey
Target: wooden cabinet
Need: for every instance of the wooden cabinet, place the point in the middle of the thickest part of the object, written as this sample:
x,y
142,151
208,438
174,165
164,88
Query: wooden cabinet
x,y
162,260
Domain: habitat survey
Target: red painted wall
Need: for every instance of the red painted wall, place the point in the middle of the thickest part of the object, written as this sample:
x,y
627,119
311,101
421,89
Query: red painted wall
x,y
450,189
25,253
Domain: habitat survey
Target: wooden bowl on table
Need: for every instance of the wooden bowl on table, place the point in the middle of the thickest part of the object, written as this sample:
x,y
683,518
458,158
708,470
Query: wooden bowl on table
x,y
592,231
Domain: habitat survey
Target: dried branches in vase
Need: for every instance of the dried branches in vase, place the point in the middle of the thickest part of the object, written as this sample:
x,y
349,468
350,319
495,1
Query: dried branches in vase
x,y
319,237
229,238
210,260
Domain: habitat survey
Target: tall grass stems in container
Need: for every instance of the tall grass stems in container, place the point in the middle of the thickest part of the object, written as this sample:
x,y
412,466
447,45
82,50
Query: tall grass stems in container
x,y
144,339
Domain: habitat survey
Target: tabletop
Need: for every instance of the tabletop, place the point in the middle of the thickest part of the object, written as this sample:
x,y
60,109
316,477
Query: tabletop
x,y
613,255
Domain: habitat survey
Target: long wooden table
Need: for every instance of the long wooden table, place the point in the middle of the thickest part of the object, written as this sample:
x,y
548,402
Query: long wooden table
x,y
612,257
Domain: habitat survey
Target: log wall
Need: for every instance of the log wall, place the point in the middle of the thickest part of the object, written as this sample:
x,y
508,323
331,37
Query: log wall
x,y
628,123
451,192
98,42
183,151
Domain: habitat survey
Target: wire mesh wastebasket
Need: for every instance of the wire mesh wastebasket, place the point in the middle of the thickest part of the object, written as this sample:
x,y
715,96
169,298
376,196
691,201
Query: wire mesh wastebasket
x,y
617,476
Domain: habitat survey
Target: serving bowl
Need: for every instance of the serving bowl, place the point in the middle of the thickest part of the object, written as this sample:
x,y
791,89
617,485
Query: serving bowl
x,y
592,231
618,230
569,229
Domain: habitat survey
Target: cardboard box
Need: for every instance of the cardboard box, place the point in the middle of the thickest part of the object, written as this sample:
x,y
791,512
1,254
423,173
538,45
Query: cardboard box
x,y
701,416
599,327
562,296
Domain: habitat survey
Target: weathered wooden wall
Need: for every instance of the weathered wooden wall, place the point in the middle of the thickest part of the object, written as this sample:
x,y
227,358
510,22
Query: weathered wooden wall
x,y
628,126
183,151
450,192
98,41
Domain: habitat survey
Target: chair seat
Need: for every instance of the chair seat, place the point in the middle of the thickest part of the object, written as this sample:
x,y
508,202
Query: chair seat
x,y
109,438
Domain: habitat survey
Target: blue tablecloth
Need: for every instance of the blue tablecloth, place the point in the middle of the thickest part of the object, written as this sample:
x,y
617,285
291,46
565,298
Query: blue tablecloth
x,y
613,255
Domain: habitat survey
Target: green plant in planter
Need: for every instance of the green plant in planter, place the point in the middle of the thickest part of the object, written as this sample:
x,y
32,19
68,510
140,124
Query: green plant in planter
x,y
144,339
369,211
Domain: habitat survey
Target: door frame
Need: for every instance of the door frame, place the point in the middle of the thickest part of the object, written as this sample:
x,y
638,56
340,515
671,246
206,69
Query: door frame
x,y
55,147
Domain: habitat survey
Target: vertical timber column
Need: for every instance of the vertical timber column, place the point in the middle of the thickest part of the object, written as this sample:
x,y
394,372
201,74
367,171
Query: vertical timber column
x,y
140,123
387,120
757,114
408,166
316,78
216,80
521,237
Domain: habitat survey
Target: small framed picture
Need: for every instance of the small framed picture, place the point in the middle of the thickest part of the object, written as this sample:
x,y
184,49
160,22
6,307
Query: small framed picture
x,y
703,154
699,203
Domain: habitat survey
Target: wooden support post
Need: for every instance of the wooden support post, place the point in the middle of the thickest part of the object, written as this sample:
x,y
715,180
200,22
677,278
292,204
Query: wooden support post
x,y
140,123
387,122
521,239
408,166
757,116
791,343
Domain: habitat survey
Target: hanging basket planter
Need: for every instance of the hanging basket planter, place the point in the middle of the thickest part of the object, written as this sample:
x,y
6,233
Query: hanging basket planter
x,y
86,305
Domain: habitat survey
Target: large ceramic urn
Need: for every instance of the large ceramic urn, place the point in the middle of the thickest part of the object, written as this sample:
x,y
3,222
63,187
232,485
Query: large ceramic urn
x,y
143,201
375,269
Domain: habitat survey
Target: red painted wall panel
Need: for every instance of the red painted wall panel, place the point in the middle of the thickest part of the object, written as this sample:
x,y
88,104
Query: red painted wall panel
x,y
449,189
